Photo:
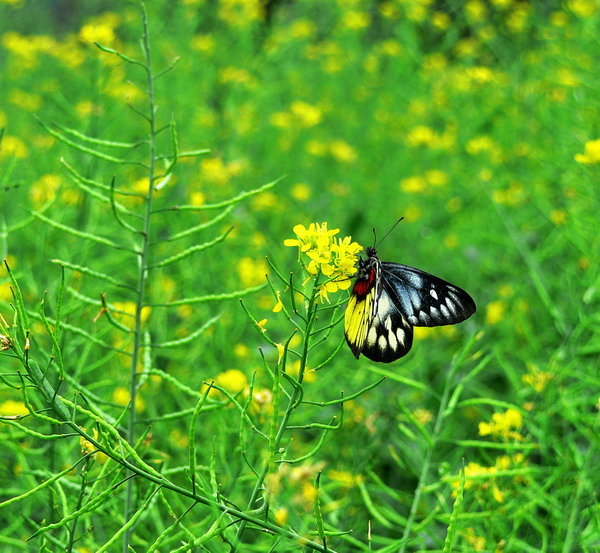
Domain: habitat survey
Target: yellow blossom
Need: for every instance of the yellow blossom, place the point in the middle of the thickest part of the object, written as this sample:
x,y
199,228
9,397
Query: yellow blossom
x,y
591,153
334,258
503,425
44,189
233,380
494,312
280,515
86,445
279,305
240,13
103,34
13,146
475,541
11,408
342,151
203,43
583,8
536,378
441,20
558,217
422,136
316,148
301,192
355,20
306,115
422,416
236,75
345,478
241,350
414,185
251,271
436,177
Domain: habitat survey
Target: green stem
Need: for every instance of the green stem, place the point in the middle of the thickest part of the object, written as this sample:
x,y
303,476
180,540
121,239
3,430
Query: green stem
x,y
143,271
441,415
292,404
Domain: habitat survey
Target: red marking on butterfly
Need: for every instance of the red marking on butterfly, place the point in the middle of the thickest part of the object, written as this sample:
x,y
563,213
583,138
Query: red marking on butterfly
x,y
363,285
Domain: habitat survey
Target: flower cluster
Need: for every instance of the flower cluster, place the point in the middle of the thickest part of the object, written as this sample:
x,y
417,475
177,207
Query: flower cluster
x,y
484,479
333,257
505,426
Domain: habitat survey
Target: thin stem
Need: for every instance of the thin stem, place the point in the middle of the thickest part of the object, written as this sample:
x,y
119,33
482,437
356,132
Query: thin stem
x,y
143,267
427,463
292,404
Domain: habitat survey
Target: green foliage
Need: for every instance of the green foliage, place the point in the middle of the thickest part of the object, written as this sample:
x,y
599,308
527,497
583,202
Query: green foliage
x,y
144,407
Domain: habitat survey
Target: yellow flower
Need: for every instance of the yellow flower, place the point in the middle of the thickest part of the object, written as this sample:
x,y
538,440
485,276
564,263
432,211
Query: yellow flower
x,y
347,479
475,541
13,146
197,198
342,151
316,148
591,153
503,425
233,380
333,257
441,20
203,43
86,445
494,312
280,515
102,34
262,324
306,115
240,13
558,217
421,136
11,408
236,75
355,20
279,305
537,379
422,416
252,271
125,310
414,185
44,189
583,8
301,192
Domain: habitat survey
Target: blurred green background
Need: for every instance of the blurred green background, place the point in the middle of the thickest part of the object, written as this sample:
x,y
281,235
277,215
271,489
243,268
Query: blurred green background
x,y
476,121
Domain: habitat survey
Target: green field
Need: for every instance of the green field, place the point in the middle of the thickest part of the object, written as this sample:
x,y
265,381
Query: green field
x,y
173,377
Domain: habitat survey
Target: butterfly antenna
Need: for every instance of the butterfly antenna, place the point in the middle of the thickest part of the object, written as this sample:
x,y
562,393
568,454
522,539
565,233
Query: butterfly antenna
x,y
386,234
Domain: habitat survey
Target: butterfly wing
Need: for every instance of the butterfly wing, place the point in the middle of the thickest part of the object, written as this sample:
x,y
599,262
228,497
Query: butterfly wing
x,y
424,299
357,320
388,335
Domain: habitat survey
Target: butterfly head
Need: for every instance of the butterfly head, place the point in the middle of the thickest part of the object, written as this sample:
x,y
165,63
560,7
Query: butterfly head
x,y
366,273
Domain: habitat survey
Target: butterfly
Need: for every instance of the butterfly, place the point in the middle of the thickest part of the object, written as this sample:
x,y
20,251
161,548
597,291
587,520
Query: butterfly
x,y
389,299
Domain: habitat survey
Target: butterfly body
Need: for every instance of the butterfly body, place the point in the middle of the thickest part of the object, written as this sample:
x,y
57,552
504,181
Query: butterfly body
x,y
389,299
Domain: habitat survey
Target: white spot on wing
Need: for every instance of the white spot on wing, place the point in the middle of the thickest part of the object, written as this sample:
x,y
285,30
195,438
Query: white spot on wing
x,y
400,333
372,336
433,294
384,305
444,311
451,306
382,342
392,340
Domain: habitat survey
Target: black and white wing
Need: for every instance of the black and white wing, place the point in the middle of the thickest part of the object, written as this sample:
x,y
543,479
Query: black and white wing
x,y
424,299
389,336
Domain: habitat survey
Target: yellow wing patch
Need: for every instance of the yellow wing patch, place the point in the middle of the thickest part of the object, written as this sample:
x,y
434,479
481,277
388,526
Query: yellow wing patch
x,y
357,320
